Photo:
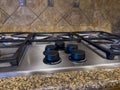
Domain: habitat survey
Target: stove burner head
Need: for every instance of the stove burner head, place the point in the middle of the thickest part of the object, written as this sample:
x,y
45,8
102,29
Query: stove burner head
x,y
77,56
60,45
70,48
52,57
115,47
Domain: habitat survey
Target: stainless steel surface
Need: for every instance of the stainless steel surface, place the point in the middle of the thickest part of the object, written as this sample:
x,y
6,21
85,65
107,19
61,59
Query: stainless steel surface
x,y
33,61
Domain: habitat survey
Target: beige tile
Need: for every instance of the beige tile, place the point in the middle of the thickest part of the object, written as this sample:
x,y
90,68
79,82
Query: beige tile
x,y
10,23
37,22
63,6
9,5
100,21
86,4
63,25
62,22
112,10
37,25
50,16
76,17
23,16
99,4
37,6
3,16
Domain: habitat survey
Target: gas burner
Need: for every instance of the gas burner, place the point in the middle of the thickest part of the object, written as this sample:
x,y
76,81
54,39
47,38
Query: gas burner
x,y
52,57
49,48
60,45
77,56
70,48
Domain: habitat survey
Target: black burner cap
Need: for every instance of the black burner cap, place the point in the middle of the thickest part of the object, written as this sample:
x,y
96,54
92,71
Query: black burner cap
x,y
115,47
60,45
52,57
49,48
77,56
70,48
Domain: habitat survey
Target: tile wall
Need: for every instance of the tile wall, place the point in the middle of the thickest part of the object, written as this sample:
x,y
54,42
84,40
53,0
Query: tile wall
x,y
59,15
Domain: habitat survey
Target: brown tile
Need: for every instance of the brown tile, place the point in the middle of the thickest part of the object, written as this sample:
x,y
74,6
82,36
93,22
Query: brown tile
x,y
23,16
50,16
37,22
76,17
87,6
3,16
37,25
63,6
9,5
100,21
99,4
112,11
10,23
37,6
63,25
62,22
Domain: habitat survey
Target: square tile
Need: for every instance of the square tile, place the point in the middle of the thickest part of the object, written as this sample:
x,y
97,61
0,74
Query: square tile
x,y
9,6
63,6
23,16
76,17
50,16
3,16
37,6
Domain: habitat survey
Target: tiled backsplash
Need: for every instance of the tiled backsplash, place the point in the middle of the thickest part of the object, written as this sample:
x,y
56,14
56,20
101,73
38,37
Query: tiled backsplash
x,y
60,15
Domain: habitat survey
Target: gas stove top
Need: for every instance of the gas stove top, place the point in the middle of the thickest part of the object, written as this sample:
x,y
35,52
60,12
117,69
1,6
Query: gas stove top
x,y
48,52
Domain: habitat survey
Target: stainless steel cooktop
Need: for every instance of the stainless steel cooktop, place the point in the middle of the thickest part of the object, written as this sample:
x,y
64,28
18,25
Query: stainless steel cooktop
x,y
33,59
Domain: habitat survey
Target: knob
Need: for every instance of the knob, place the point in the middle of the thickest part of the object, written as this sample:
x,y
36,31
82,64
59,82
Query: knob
x,y
52,57
59,45
49,48
77,56
70,48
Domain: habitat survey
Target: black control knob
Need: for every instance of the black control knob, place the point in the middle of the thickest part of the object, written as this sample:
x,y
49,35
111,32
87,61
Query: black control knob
x,y
49,48
77,56
60,45
70,48
52,57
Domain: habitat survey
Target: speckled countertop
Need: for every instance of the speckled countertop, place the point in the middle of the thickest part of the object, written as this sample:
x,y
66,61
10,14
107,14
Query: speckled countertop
x,y
73,80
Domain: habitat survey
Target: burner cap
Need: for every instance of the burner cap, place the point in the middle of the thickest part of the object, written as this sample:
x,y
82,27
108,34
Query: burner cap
x,y
49,48
70,48
52,57
77,56
115,47
59,45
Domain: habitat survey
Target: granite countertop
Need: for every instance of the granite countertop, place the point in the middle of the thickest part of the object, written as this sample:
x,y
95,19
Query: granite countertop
x,y
72,80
